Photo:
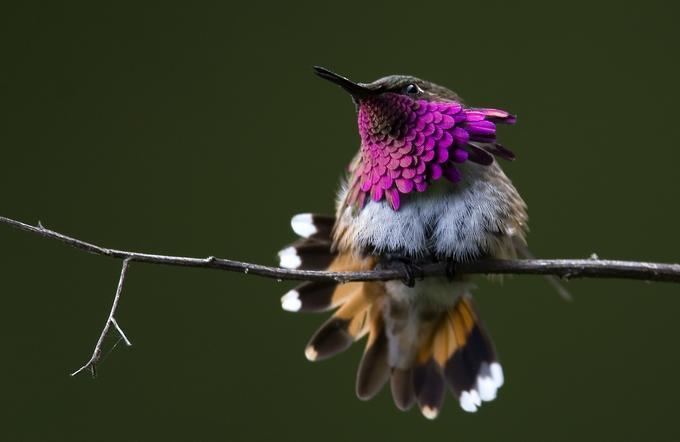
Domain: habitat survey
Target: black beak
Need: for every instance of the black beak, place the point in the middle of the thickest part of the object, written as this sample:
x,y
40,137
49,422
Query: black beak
x,y
356,90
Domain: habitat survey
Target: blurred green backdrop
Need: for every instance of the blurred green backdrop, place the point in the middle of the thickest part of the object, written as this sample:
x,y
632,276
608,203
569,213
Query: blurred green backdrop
x,y
199,130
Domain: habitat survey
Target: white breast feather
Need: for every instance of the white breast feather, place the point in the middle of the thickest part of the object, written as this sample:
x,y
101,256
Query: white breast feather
x,y
459,220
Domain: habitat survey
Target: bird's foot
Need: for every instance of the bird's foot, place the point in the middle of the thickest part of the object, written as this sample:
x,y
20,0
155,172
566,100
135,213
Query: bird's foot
x,y
407,265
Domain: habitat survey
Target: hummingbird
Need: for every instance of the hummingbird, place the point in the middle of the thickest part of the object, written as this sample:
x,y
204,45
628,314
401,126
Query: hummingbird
x,y
424,187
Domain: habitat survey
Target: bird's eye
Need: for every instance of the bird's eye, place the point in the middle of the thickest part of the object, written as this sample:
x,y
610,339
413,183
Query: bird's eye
x,y
412,89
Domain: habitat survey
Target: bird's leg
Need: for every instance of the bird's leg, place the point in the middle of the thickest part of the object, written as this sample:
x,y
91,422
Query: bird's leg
x,y
409,266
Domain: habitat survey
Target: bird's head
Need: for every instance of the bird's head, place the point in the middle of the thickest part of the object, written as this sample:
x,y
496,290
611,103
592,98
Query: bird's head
x,y
414,132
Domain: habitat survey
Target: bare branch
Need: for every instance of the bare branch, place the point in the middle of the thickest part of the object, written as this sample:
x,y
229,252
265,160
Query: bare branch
x,y
564,268
96,354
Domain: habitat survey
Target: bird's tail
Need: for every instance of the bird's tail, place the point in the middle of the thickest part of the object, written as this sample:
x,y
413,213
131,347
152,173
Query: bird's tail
x,y
418,353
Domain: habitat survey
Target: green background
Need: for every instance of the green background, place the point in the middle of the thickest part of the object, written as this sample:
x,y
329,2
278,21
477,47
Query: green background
x,y
199,130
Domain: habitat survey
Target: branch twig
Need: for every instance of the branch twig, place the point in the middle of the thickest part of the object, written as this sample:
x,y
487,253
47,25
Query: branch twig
x,y
96,354
564,268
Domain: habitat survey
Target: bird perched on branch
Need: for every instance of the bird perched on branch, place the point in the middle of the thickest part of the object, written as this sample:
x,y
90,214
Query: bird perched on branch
x,y
424,187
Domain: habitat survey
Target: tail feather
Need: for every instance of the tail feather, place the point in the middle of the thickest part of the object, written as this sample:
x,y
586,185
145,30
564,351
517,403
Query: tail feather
x,y
306,254
374,370
401,384
428,377
349,324
332,338
472,369
429,386
313,226
318,296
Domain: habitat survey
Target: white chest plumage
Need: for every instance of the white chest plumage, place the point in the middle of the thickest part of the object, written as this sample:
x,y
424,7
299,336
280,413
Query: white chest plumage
x,y
480,215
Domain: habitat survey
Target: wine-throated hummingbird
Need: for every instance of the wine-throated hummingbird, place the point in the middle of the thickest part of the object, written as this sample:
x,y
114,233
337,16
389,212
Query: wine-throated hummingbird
x,y
424,187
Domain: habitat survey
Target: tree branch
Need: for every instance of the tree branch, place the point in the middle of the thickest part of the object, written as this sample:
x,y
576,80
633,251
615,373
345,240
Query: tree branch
x,y
564,268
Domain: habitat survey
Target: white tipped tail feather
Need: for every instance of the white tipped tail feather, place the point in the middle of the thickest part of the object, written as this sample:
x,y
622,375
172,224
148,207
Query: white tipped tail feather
x,y
291,301
289,259
303,225
489,380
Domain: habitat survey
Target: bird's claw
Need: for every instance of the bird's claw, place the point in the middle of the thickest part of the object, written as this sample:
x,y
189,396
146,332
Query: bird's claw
x,y
411,271
407,266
